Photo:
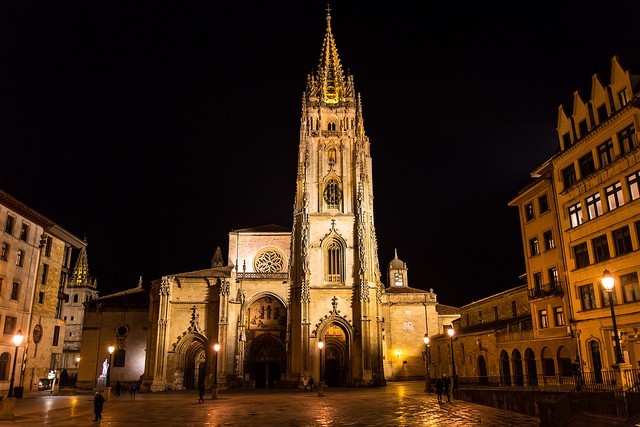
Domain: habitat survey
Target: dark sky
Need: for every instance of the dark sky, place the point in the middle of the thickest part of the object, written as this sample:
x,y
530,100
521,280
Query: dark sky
x,y
155,128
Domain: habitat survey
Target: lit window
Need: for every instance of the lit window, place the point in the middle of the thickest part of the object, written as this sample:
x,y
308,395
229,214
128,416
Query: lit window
x,y
534,247
334,262
594,206
632,180
544,321
554,278
537,281
615,199
575,215
623,98
528,211
558,314
549,243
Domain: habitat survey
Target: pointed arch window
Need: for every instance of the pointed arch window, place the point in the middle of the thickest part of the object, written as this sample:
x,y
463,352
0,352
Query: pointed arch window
x,y
331,126
334,262
332,194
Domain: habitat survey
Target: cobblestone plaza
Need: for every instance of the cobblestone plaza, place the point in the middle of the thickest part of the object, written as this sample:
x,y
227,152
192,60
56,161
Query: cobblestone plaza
x,y
397,404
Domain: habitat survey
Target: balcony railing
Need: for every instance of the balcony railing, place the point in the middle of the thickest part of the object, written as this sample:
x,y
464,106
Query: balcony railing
x,y
547,290
589,381
263,276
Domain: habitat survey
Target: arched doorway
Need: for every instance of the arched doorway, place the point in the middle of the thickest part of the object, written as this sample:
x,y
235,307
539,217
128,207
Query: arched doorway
x,y
505,369
267,360
548,367
336,356
194,364
518,371
482,371
532,369
564,362
596,361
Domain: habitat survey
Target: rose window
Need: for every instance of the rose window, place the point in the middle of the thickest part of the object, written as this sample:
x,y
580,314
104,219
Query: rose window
x,y
269,262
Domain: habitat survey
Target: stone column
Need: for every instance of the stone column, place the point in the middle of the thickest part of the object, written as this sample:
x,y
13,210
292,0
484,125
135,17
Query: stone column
x,y
160,375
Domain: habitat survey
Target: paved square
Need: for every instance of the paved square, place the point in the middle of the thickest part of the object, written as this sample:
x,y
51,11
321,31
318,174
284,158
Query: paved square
x,y
397,404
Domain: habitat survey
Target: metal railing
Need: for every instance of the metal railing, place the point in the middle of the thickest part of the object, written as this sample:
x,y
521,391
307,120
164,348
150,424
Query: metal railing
x,y
549,289
589,381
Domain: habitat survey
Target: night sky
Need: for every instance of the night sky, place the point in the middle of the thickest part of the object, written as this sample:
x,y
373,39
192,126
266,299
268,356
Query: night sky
x,y
156,128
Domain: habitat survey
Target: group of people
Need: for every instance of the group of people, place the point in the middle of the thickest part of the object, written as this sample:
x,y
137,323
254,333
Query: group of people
x,y
443,384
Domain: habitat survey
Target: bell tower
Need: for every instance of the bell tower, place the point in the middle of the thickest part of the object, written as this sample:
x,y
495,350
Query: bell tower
x,y
335,289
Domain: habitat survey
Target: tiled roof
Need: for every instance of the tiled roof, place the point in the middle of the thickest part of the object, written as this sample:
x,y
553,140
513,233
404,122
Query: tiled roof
x,y
270,228
207,272
447,309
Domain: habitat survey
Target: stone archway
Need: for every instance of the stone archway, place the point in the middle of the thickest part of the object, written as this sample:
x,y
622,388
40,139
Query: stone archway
x,y
518,371
191,362
532,370
335,356
266,361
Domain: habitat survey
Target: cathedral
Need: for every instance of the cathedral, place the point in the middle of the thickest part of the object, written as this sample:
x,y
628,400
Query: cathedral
x,y
294,303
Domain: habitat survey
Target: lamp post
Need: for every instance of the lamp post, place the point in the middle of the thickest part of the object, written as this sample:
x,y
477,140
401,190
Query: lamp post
x,y
17,340
454,376
608,283
427,375
111,349
9,403
321,381
216,349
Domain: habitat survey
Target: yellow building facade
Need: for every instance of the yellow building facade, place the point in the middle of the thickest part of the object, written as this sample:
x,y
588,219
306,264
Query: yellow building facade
x,y
593,204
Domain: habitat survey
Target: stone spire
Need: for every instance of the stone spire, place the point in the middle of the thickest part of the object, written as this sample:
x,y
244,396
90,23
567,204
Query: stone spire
x,y
80,276
217,260
330,70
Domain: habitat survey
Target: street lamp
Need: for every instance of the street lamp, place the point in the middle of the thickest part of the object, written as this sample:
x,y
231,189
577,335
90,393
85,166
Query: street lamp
x,y
608,283
321,382
111,349
216,349
427,375
17,340
451,332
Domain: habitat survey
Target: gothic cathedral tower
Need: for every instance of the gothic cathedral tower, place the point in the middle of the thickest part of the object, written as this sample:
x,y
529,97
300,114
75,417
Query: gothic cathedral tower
x,y
335,322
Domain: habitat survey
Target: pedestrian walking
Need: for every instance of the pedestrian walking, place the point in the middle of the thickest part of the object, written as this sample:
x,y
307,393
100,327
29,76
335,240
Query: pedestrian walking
x,y
118,387
201,393
98,403
134,386
447,386
439,388
310,383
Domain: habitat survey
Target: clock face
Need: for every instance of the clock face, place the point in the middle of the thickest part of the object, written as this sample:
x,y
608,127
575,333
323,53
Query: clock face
x,y
37,334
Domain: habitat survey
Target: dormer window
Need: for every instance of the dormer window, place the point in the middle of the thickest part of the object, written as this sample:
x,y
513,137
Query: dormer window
x,y
566,140
622,97
602,113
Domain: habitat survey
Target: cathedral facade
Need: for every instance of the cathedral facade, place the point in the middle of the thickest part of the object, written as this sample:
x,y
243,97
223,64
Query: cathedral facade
x,y
292,303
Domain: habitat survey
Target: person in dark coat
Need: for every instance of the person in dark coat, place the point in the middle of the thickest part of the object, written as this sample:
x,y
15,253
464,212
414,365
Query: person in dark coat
x,y
201,393
439,388
134,386
118,387
447,386
98,403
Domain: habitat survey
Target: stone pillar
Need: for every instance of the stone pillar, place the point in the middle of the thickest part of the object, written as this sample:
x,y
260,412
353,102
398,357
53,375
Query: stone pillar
x,y
619,373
